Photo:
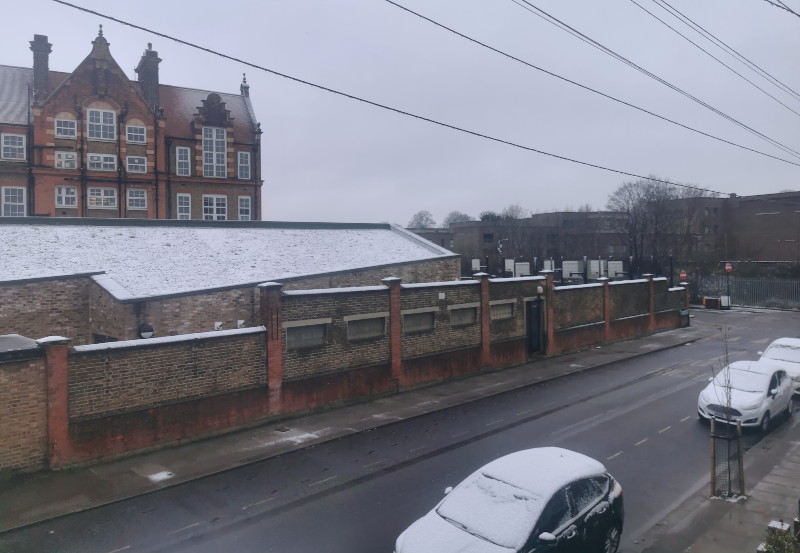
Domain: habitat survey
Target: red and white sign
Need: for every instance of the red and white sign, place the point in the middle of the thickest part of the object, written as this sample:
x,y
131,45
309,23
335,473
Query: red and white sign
x,y
683,275
728,267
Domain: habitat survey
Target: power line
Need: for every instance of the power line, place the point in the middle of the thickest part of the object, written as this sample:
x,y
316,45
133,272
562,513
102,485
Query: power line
x,y
565,79
563,26
654,16
729,49
783,6
376,104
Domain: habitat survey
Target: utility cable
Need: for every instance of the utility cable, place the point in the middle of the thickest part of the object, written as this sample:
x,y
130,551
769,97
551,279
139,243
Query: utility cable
x,y
585,87
693,43
560,24
783,6
729,49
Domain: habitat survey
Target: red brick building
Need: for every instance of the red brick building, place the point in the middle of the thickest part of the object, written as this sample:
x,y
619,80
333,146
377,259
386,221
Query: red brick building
x,y
93,143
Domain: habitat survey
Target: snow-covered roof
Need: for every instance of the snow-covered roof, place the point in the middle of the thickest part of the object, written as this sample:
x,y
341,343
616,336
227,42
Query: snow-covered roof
x,y
154,258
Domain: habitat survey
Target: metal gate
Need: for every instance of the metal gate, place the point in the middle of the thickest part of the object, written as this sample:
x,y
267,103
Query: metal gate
x,y
534,323
781,293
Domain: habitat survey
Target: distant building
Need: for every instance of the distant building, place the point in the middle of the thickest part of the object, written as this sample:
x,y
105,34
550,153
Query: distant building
x,y
93,143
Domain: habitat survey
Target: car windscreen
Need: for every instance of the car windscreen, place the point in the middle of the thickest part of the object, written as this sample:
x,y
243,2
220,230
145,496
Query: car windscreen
x,y
783,353
492,510
745,381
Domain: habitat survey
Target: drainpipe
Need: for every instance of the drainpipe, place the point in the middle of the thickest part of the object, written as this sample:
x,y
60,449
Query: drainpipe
x,y
31,194
168,170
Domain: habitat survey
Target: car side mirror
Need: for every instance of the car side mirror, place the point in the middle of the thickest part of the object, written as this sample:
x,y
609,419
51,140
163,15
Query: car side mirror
x,y
547,537
773,392
759,353
710,378
448,489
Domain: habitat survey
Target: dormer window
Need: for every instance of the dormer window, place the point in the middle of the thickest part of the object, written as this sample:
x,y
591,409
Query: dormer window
x,y
101,124
214,149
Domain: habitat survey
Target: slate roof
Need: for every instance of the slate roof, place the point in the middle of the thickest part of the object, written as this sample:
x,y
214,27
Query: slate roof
x,y
143,258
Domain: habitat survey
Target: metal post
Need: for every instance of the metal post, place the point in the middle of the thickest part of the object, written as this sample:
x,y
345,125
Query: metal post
x,y
713,459
741,456
671,273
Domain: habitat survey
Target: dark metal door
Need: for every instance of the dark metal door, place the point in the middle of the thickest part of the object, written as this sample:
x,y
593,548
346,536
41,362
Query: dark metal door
x,y
534,324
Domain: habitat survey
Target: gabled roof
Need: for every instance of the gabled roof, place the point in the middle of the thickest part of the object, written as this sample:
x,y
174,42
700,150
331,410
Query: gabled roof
x,y
152,258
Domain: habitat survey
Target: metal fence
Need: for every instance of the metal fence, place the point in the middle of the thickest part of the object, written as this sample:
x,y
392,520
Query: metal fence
x,y
780,293
727,461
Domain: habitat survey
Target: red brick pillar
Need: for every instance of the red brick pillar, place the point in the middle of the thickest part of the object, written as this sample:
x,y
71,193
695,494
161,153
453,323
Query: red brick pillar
x,y
651,322
550,318
606,308
59,444
395,329
270,300
685,286
486,320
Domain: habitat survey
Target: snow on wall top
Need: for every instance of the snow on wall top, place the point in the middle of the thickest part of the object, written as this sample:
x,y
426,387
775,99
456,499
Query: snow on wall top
x,y
151,260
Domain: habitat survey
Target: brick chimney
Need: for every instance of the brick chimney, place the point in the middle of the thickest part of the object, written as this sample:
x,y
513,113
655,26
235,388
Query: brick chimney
x,y
148,75
41,60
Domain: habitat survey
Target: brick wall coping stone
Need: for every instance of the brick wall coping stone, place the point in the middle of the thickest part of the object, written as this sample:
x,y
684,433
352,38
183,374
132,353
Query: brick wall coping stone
x,y
440,284
344,290
168,339
16,342
50,340
517,279
590,285
638,280
64,276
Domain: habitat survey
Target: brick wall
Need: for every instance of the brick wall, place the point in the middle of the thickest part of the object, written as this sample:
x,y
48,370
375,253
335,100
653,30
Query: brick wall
x,y
107,379
629,298
508,289
37,308
23,413
578,306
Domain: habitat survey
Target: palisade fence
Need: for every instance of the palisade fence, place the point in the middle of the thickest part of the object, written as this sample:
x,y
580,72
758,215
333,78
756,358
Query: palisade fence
x,y
781,293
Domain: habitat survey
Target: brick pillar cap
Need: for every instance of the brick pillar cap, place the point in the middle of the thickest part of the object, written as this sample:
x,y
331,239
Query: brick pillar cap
x,y
53,341
270,285
603,279
648,276
481,275
546,272
391,280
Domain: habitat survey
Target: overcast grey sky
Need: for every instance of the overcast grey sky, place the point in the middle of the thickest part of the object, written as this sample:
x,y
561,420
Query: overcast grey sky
x,y
329,158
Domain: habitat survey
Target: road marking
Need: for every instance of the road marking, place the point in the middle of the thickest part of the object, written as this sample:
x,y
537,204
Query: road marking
x,y
494,422
369,465
417,448
686,418
257,503
185,528
120,549
617,454
323,481
664,429
640,442
459,434
523,412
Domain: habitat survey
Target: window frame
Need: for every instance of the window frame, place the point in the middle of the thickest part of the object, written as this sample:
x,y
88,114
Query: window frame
x,y
498,309
243,161
414,317
5,149
187,171
134,192
99,130
103,162
61,195
128,133
130,165
4,203
59,131
179,207
356,334
63,156
297,334
215,215
103,197
454,310
249,210
215,152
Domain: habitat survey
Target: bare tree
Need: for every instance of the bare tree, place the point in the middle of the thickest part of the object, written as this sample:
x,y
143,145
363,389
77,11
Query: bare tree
x,y
489,216
422,219
455,217
515,211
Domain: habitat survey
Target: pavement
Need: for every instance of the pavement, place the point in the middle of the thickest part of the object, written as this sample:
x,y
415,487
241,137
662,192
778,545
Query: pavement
x,y
696,524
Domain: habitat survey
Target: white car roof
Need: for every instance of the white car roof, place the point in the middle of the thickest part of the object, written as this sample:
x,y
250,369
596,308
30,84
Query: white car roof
x,y
542,470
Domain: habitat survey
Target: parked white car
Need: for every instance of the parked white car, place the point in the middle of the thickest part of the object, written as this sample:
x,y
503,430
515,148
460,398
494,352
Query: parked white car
x,y
753,392
785,353
542,500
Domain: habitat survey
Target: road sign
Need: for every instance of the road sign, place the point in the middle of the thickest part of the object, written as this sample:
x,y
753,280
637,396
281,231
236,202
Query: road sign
x,y
728,267
683,275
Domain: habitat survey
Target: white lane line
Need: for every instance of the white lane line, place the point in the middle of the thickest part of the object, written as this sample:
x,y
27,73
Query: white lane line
x,y
459,434
257,503
664,429
523,412
494,422
417,448
617,454
684,419
640,442
369,465
322,481
185,528
120,549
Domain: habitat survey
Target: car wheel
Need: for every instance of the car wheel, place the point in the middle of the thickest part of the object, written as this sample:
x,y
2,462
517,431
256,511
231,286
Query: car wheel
x,y
790,407
765,422
611,539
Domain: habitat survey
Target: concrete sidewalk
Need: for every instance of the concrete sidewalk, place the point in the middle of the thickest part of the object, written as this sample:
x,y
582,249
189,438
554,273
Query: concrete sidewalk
x,y
28,499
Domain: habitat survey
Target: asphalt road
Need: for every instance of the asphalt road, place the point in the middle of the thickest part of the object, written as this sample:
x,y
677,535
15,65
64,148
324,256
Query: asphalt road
x,y
358,493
